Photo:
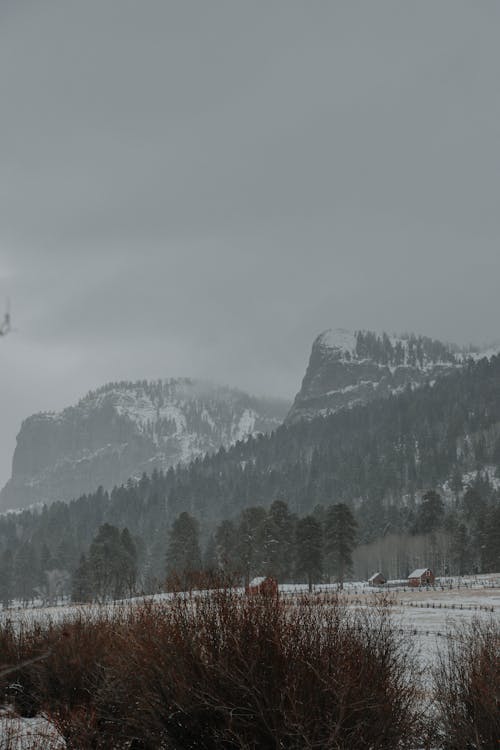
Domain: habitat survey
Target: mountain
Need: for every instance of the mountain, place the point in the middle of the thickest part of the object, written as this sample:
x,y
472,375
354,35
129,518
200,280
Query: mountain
x,y
377,456
124,429
348,368
420,471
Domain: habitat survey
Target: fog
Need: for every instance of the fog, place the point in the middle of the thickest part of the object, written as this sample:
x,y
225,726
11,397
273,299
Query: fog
x,y
198,189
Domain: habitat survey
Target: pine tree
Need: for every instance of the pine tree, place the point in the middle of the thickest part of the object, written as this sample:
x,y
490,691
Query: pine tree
x,y
340,540
226,547
456,482
26,569
183,558
430,514
309,550
108,564
6,578
491,552
129,556
210,565
460,550
81,586
250,547
279,533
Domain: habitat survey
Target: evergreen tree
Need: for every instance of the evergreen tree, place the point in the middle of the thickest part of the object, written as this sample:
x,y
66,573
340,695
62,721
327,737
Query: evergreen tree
x,y
26,572
340,540
6,578
309,550
456,483
183,559
81,585
430,514
476,511
472,503
226,544
491,552
210,565
109,564
279,540
251,537
129,557
46,561
460,550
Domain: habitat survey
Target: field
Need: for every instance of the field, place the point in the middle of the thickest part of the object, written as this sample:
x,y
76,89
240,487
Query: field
x,y
424,619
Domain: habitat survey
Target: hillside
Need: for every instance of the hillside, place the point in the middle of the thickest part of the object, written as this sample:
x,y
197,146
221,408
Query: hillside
x,y
123,429
376,456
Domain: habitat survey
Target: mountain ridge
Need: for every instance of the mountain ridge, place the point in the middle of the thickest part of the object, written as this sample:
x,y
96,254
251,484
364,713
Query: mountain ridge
x,y
355,367
123,429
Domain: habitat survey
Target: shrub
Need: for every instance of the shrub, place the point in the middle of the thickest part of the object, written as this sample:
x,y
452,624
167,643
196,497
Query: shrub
x,y
467,687
224,671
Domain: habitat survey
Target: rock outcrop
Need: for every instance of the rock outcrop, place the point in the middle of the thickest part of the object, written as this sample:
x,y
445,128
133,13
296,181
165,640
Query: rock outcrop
x,y
124,429
348,368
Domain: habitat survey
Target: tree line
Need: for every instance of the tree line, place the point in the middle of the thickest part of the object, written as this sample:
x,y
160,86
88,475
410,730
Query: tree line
x,y
270,543
262,542
325,545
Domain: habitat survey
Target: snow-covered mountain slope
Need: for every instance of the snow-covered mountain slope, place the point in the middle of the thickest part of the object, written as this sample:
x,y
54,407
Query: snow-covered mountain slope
x,y
348,368
123,429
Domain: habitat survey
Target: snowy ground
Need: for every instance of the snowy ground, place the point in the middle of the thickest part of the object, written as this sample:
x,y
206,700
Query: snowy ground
x,y
28,734
428,618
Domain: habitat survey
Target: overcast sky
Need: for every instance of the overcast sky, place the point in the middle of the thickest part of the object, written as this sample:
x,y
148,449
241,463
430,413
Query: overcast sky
x,y
200,187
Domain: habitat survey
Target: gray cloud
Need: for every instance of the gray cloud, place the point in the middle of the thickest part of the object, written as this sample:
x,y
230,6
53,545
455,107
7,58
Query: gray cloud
x,y
199,188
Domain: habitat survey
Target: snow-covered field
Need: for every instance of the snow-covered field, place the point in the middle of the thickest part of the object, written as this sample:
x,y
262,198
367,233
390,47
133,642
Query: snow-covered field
x,y
428,618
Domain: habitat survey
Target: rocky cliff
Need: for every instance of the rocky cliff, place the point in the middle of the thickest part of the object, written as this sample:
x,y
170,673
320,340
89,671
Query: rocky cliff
x,y
348,368
124,429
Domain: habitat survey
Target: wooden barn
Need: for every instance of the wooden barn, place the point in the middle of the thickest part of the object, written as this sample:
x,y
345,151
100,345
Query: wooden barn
x,y
377,579
421,577
265,585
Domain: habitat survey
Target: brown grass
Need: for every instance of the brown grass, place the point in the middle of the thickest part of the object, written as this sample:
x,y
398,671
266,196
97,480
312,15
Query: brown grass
x,y
220,671
467,688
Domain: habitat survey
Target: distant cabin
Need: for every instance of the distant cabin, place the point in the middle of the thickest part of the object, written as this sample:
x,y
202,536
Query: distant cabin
x,y
421,577
377,579
262,585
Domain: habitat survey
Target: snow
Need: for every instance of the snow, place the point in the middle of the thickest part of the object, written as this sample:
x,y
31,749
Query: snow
x,y
176,420
257,581
488,471
343,341
489,352
19,733
418,572
353,387
338,338
245,426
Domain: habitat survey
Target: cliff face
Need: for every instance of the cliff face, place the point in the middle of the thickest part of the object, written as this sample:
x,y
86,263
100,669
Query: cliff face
x,y
347,368
124,429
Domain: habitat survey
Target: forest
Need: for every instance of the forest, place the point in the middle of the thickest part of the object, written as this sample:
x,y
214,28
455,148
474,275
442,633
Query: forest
x,y
417,473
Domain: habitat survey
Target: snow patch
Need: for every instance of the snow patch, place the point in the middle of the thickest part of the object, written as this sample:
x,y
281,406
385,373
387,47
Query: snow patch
x,y
338,338
19,733
245,426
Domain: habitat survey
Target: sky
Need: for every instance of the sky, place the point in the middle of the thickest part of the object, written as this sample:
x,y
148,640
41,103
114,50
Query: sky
x,y
199,188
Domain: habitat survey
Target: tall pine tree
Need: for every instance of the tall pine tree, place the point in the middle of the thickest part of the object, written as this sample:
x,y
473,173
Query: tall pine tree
x,y
183,558
340,540
309,550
